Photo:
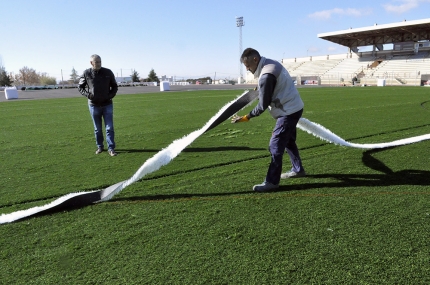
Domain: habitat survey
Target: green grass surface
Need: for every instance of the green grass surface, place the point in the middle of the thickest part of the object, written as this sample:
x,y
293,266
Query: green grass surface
x,y
359,217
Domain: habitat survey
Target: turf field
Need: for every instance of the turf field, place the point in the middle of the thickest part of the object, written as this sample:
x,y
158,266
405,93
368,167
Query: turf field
x,y
359,217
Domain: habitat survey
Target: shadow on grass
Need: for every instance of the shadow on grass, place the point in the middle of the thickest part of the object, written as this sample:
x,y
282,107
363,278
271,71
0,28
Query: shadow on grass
x,y
404,177
224,148
424,104
387,178
194,149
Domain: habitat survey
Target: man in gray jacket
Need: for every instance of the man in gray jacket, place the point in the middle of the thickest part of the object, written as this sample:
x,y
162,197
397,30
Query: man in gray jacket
x,y
278,94
98,84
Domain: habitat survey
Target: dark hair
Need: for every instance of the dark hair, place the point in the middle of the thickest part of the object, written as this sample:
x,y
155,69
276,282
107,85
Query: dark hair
x,y
249,52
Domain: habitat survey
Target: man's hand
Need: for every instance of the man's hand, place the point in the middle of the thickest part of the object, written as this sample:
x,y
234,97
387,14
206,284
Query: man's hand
x,y
239,119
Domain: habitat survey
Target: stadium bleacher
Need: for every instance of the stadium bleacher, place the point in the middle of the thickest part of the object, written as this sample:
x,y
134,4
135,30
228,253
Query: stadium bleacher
x,y
407,63
340,70
397,70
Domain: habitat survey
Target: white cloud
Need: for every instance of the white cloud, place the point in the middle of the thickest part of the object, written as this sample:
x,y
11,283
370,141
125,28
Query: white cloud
x,y
327,14
313,49
403,6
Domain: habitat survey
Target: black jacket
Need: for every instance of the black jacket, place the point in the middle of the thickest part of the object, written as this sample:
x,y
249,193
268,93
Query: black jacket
x,y
98,86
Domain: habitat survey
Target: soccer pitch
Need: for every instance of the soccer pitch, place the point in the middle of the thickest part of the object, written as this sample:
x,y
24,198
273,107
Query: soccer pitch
x,y
360,216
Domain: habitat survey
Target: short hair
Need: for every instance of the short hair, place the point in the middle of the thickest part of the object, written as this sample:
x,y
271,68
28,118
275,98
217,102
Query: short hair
x,y
247,53
94,56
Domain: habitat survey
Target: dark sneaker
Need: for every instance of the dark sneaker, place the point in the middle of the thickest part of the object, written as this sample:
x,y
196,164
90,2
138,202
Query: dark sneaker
x,y
99,150
265,187
292,174
112,152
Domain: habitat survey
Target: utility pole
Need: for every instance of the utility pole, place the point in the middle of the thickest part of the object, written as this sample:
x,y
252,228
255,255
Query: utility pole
x,y
240,24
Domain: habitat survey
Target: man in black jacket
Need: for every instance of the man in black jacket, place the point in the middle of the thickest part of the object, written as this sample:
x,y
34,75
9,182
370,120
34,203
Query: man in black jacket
x,y
98,84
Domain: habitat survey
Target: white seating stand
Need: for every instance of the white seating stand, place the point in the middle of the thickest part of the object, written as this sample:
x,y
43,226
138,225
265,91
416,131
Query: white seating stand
x,y
10,93
164,86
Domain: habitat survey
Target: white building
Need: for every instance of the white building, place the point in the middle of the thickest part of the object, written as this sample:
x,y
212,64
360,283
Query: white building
x,y
165,78
123,79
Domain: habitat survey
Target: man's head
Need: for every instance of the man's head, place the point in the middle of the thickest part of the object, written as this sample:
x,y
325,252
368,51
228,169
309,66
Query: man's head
x,y
250,58
96,61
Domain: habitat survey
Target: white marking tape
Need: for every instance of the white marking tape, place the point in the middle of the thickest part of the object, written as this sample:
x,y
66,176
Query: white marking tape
x,y
166,155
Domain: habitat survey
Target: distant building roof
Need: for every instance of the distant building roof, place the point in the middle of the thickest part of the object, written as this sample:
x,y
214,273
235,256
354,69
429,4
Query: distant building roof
x,y
405,31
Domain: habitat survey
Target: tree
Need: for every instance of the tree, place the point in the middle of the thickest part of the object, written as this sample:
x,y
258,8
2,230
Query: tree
x,y
74,77
135,76
152,76
203,80
27,76
5,80
45,79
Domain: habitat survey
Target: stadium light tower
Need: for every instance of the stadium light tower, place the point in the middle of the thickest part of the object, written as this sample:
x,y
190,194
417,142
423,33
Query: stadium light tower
x,y
240,24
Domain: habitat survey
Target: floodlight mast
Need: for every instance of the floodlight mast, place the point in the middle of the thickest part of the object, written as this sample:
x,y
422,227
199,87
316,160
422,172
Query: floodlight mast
x,y
240,24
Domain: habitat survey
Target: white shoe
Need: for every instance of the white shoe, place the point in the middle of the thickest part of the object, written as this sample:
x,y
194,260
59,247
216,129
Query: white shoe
x,y
265,187
292,174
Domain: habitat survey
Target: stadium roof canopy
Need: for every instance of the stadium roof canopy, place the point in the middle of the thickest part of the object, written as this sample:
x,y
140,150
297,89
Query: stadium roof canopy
x,y
379,35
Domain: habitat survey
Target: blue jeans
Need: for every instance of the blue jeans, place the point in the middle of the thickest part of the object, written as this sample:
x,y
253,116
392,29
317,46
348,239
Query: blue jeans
x,y
284,139
99,114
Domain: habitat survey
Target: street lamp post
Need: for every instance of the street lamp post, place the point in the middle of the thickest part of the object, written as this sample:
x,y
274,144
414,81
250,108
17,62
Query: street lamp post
x,y
240,24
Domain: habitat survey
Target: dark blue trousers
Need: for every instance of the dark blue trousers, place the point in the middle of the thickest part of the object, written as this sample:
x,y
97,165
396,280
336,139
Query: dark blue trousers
x,y
284,139
100,113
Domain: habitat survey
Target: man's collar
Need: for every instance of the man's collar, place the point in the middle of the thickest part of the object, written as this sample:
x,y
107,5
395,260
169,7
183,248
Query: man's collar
x,y
259,67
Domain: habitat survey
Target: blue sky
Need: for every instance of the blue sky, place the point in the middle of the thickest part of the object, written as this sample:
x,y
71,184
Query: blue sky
x,y
184,39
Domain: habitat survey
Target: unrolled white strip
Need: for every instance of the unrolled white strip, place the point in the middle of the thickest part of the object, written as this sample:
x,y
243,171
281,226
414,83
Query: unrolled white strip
x,y
9,218
166,155
160,159
325,134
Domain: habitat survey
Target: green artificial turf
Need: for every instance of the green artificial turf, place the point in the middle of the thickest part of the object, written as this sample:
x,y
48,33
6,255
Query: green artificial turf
x,y
359,217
